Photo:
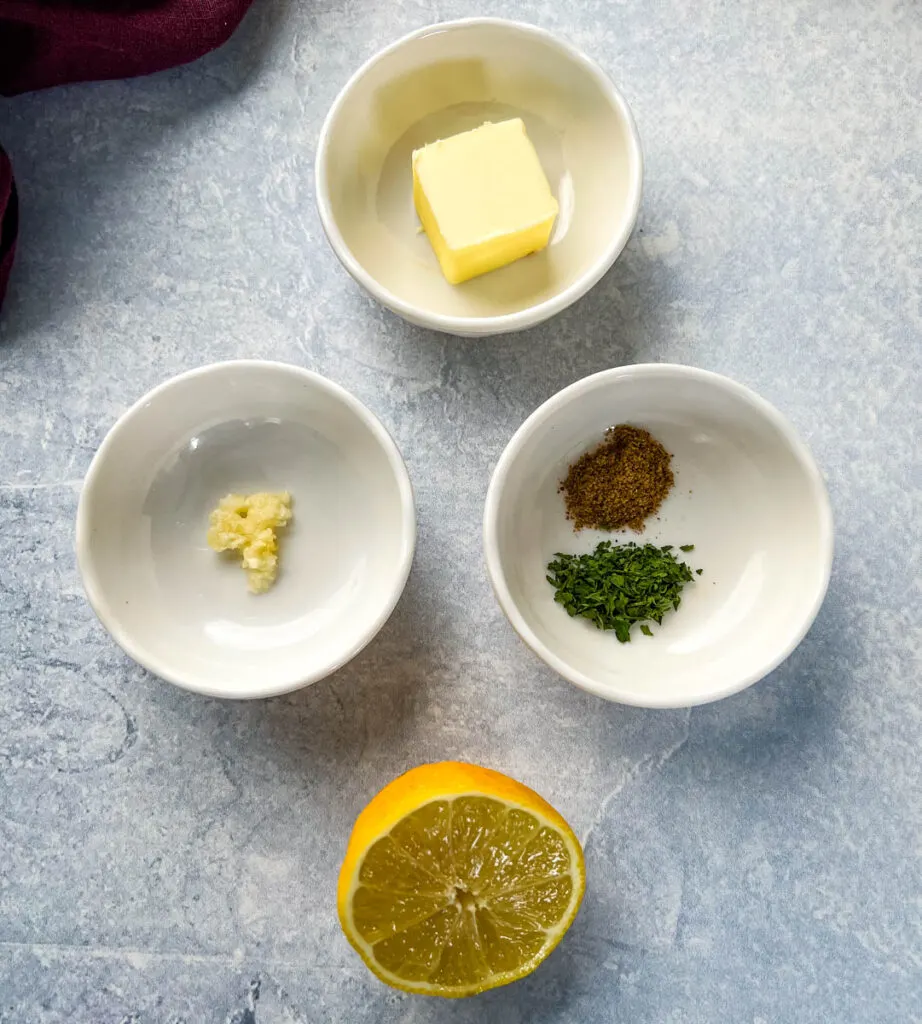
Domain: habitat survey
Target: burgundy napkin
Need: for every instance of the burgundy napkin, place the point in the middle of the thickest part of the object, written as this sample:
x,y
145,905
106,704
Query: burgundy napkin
x,y
50,42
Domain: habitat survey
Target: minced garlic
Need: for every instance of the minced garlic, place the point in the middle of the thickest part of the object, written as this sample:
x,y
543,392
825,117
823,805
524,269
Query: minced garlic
x,y
247,523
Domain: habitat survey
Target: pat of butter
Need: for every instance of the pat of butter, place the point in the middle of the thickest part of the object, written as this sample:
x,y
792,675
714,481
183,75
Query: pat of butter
x,y
483,199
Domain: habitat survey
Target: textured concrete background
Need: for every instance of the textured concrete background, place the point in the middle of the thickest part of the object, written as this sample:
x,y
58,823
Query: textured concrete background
x,y
169,859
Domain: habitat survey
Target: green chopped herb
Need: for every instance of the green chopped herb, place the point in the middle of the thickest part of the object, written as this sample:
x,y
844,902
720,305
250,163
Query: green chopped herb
x,y
687,547
620,585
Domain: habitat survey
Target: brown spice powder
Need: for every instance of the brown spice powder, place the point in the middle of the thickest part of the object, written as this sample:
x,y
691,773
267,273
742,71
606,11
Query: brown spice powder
x,y
620,483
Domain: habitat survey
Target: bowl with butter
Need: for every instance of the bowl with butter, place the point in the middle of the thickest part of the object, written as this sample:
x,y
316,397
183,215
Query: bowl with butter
x,y
245,529
478,176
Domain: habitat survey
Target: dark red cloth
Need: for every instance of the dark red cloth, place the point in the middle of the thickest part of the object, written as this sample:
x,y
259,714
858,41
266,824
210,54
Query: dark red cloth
x,y
50,42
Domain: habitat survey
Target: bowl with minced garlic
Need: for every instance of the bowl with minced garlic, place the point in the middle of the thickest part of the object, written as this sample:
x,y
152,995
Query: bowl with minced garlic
x,y
478,176
245,529
659,535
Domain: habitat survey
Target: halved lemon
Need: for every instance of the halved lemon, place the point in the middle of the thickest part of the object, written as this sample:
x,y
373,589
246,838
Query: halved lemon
x,y
458,879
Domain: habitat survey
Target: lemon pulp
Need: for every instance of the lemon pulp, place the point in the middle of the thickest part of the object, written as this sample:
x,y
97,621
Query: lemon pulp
x,y
464,894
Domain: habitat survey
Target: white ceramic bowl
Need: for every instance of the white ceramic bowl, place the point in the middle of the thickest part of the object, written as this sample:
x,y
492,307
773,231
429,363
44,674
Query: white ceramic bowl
x,y
183,611
450,78
747,494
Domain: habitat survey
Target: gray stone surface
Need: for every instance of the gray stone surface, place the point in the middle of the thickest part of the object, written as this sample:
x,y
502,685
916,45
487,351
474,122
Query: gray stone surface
x,y
169,859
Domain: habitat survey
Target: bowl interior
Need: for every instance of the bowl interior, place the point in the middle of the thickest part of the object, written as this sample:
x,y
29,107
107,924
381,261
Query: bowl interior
x,y
439,83
746,494
183,610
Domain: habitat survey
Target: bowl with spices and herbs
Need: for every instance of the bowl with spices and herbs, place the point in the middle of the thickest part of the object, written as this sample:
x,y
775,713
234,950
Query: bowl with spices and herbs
x,y
659,535
245,529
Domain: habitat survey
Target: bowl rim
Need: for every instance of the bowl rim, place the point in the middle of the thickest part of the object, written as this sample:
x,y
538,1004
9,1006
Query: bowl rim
x,y
87,566
545,412
505,322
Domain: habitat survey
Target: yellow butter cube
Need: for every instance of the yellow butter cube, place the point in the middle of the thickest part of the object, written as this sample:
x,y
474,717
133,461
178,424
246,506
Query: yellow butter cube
x,y
483,199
